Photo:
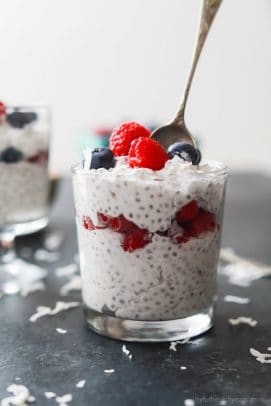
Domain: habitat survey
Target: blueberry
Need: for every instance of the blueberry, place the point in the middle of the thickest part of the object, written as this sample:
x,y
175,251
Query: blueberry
x,y
102,158
19,119
11,155
185,151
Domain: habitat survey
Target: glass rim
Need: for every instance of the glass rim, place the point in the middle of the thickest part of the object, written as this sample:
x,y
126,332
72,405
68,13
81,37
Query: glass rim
x,y
29,106
221,169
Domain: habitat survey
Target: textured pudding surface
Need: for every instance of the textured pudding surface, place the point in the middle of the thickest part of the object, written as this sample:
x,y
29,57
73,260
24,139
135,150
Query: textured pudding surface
x,y
163,280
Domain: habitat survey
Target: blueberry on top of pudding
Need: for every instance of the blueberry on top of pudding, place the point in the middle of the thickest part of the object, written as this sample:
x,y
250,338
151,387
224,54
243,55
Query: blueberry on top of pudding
x,y
100,158
185,151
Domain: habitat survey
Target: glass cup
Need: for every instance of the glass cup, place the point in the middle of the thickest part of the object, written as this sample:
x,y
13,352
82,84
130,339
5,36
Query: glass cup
x,y
24,183
149,251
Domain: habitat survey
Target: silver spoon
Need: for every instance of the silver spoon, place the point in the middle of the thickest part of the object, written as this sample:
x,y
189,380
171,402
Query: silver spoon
x,y
176,130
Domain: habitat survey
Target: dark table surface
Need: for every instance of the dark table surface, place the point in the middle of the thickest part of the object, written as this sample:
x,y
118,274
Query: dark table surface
x,y
219,365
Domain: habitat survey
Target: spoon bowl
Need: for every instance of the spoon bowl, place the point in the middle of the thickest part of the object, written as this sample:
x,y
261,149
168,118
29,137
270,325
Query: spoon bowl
x,y
170,133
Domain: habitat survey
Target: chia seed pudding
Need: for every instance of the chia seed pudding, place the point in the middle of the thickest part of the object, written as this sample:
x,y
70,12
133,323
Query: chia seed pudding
x,y
24,181
149,239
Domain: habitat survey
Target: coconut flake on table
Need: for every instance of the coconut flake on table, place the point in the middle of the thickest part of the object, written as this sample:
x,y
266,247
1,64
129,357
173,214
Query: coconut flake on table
x,y
243,320
63,400
261,357
46,256
189,402
236,299
126,351
50,395
30,278
81,384
67,270
173,344
242,271
73,284
61,330
109,371
20,396
53,241
47,311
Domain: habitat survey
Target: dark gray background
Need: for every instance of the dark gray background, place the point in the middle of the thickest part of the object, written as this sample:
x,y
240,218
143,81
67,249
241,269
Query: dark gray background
x,y
219,365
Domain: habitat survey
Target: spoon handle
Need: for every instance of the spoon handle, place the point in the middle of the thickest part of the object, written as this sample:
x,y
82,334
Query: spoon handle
x,y
208,12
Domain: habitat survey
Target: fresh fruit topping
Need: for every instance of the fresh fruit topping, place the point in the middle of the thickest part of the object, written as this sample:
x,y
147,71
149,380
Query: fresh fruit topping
x,y
147,153
205,221
122,137
118,224
40,158
2,109
102,158
136,239
185,151
19,119
88,223
187,212
11,155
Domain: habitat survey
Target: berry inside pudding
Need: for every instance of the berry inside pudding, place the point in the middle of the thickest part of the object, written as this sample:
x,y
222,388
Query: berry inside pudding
x,y
149,224
24,134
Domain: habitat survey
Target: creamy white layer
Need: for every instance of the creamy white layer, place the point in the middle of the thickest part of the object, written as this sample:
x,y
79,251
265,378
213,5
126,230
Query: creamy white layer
x,y
28,140
23,191
161,281
148,198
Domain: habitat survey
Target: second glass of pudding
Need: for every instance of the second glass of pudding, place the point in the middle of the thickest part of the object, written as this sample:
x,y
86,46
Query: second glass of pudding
x,y
149,244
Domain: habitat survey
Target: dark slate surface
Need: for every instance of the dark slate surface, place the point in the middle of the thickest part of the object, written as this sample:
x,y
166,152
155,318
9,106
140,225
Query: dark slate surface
x,y
219,366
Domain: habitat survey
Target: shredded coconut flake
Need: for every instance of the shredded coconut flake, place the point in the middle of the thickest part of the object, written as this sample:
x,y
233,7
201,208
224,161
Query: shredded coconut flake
x,y
236,299
20,396
53,241
261,357
242,271
63,400
61,331
81,384
50,395
87,153
73,284
109,371
47,311
173,344
46,256
189,402
67,270
243,320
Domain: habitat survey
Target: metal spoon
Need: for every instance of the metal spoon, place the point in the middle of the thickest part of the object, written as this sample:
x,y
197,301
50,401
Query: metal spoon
x,y
176,130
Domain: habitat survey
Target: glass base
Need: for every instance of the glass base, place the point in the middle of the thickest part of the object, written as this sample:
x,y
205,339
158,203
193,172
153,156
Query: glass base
x,y
30,227
149,331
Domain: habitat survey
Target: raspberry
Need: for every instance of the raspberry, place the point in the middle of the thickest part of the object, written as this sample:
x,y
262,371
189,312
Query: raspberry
x,y
39,158
88,224
187,212
122,136
2,109
147,153
118,224
205,221
135,239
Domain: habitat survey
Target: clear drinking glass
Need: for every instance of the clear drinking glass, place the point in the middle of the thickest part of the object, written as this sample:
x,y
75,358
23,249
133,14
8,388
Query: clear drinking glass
x,y
24,183
148,269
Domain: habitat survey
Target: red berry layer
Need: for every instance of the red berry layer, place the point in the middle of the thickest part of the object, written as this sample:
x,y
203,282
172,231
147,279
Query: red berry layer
x,y
190,222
